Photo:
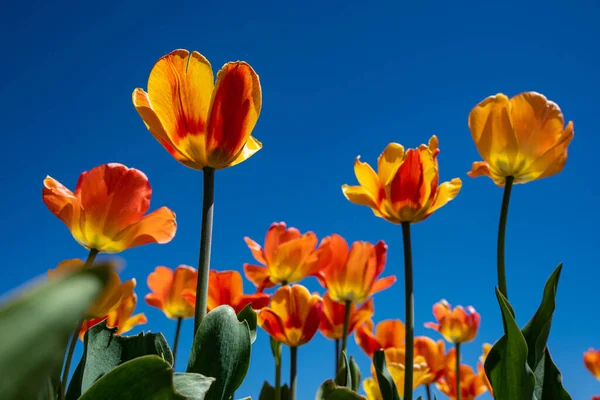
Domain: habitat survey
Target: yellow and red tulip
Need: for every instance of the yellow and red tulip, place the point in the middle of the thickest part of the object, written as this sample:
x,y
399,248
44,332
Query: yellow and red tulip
x,y
167,290
471,384
351,275
456,325
388,334
106,211
226,288
200,123
293,316
480,367
405,187
524,137
287,257
332,323
591,359
434,355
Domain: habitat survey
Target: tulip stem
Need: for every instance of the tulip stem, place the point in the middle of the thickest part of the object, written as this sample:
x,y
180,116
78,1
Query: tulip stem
x,y
293,365
347,308
276,350
458,391
176,340
501,236
337,356
65,376
428,390
205,243
409,311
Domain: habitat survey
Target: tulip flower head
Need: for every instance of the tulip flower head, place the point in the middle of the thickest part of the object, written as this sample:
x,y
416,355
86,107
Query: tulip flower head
x,y
523,137
591,359
200,123
406,186
226,288
471,384
332,323
456,325
434,355
167,290
293,316
388,334
107,300
351,275
481,370
287,257
106,211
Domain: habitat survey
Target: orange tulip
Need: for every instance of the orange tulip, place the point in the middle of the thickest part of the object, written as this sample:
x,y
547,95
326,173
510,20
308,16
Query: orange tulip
x,y
434,355
293,316
595,397
351,274
480,367
199,123
471,384
226,287
591,359
332,323
405,187
388,334
121,316
456,325
106,212
523,137
167,290
107,300
287,257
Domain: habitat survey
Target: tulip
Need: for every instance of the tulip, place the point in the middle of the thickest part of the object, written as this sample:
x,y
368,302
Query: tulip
x,y
481,370
466,385
332,322
388,334
591,359
434,355
456,325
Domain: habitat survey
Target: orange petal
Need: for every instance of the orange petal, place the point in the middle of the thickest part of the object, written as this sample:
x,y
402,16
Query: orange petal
x,y
293,260
224,287
61,202
272,324
552,161
359,195
362,314
130,323
365,338
277,235
189,295
389,161
251,147
256,250
234,111
109,298
367,178
382,284
257,275
446,192
390,333
159,282
257,301
157,227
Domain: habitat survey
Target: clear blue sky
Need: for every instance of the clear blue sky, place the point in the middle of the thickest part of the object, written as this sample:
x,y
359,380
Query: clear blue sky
x,y
339,79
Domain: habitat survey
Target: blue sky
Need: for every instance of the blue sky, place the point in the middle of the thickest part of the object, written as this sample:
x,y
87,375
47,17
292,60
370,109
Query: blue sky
x,y
339,79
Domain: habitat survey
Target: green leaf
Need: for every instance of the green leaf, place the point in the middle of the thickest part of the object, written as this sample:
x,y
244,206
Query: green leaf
x,y
343,377
549,381
148,377
537,330
268,392
249,315
103,351
387,387
506,364
330,391
221,349
355,373
37,323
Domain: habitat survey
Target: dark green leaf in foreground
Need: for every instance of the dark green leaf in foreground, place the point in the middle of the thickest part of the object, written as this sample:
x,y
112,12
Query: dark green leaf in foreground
x,y
249,315
330,391
387,387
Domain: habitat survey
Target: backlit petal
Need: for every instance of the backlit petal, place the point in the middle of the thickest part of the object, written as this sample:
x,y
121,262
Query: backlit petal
x,y
390,333
371,388
273,325
365,338
61,202
157,227
250,148
256,250
389,161
446,191
257,301
257,275
224,288
367,178
382,284
358,195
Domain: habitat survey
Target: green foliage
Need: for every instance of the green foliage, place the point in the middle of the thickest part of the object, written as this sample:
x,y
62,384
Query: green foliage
x,y
268,392
249,315
348,374
148,377
330,391
103,351
35,329
221,349
387,387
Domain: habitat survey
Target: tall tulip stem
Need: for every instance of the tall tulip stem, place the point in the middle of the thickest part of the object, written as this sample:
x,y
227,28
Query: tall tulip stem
x,y
65,376
458,391
410,319
276,350
428,391
502,235
293,366
337,356
348,306
176,340
208,206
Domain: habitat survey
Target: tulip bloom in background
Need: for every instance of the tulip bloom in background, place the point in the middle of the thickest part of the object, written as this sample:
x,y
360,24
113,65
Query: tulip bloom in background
x,y
292,319
203,125
404,190
591,359
434,355
333,322
456,326
167,294
520,140
466,385
287,257
226,288
481,370
388,334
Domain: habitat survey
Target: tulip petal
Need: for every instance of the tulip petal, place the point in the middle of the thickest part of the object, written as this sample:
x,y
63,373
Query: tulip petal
x,y
251,147
371,389
258,275
382,284
552,161
390,334
61,202
482,168
272,324
365,338
389,161
234,111
446,192
160,282
224,287
358,195
367,178
256,250
130,323
157,227
257,301
293,259
277,235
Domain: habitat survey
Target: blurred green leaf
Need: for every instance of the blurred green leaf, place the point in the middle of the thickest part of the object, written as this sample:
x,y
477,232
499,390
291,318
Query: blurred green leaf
x,y
387,387
506,364
37,323
343,377
221,349
330,391
103,351
148,377
249,315
549,381
268,392
355,373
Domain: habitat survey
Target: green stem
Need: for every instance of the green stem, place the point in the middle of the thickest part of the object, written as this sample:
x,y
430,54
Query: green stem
x,y
337,356
65,376
176,340
347,309
428,390
501,236
276,350
409,311
458,391
205,243
293,365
